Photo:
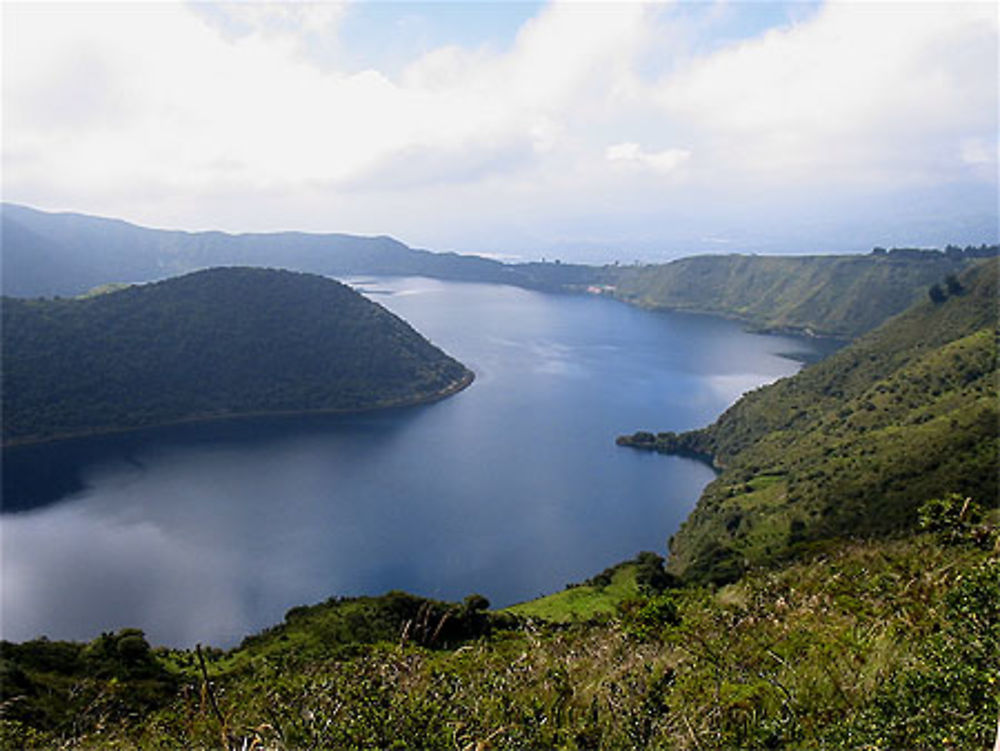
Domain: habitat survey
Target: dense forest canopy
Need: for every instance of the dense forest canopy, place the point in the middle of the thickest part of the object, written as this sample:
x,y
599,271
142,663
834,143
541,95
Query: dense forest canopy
x,y
214,343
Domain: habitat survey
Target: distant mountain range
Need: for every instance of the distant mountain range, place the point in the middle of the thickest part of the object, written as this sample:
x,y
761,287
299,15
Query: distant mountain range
x,y
46,254
212,344
841,296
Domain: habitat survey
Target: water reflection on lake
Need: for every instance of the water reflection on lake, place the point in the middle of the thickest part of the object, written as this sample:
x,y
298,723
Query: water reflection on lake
x,y
512,488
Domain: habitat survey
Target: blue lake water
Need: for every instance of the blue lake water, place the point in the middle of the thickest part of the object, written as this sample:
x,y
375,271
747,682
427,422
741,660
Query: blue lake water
x,y
512,488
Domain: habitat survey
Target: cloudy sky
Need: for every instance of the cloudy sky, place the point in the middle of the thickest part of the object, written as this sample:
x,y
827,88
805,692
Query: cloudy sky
x,y
590,131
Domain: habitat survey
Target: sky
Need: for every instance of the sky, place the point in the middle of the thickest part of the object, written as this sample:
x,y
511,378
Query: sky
x,y
583,131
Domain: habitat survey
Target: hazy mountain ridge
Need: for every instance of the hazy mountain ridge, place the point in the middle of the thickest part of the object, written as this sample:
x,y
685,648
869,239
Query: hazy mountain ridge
x,y
209,344
852,445
47,254
839,296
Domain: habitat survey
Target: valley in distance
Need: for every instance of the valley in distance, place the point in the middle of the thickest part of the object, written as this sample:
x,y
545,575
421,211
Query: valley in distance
x,y
836,586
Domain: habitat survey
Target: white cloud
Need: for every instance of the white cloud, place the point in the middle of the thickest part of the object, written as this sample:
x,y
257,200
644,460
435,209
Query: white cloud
x,y
858,92
979,151
630,154
225,116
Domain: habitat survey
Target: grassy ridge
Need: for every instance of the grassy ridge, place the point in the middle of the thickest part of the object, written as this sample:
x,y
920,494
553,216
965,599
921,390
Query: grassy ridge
x,y
838,296
600,596
851,445
585,602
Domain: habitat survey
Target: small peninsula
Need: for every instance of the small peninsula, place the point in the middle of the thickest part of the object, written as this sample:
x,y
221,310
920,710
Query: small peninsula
x,y
213,344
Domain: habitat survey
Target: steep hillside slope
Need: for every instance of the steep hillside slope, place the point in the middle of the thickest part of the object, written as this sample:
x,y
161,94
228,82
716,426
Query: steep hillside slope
x,y
851,445
839,296
210,344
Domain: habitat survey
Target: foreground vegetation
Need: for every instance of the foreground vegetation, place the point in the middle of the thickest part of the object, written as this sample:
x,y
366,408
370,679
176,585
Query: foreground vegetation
x,y
853,444
876,645
211,344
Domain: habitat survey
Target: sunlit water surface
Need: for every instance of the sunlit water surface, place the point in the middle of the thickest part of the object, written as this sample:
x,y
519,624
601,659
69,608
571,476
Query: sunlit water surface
x,y
512,488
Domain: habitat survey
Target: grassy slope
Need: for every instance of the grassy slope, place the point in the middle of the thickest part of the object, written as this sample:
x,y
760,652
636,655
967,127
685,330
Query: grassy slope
x,y
839,296
585,602
851,445
878,645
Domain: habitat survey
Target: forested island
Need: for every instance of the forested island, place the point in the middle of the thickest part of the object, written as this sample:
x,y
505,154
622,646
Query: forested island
x,y
212,344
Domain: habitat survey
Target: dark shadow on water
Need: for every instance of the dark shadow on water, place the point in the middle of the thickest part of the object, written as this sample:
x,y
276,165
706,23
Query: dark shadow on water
x,y
40,475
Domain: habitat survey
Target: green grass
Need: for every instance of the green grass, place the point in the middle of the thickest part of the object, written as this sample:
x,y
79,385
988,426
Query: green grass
x,y
838,296
584,602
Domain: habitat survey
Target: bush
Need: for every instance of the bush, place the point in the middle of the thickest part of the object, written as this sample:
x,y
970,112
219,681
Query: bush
x,y
955,519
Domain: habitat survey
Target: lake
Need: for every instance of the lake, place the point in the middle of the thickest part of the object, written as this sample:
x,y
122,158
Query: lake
x,y
512,488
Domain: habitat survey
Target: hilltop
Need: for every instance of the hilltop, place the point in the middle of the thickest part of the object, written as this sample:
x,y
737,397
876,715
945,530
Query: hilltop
x,y
850,446
212,344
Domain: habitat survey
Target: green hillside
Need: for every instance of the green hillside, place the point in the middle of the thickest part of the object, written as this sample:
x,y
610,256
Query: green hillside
x,y
839,296
836,587
852,445
211,344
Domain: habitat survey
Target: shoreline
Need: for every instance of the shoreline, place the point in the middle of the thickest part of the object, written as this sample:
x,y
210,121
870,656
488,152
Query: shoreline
x,y
750,325
451,389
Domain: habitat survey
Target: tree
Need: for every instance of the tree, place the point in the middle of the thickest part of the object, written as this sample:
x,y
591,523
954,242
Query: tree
x,y
475,603
954,286
937,294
